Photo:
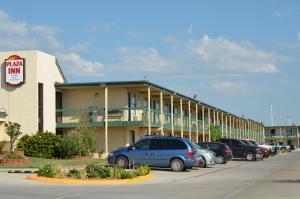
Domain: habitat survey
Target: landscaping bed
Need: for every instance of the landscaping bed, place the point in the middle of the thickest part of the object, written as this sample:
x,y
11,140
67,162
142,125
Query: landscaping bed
x,y
91,174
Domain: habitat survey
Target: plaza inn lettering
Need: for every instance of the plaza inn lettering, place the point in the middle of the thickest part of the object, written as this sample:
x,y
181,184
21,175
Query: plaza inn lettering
x,y
14,70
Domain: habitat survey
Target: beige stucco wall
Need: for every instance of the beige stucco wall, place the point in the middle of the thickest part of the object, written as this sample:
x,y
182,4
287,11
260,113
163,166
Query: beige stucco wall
x,y
48,73
21,103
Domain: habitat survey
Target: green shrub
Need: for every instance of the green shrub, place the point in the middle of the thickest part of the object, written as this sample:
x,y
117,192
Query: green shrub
x,y
49,170
94,171
2,144
13,155
81,141
77,174
143,170
128,174
42,145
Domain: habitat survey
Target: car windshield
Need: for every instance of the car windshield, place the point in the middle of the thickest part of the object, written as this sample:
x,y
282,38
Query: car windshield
x,y
254,142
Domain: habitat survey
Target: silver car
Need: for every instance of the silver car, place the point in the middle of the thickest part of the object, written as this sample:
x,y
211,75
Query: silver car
x,y
208,156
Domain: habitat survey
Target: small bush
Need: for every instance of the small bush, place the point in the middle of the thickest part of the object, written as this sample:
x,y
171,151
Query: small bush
x,y
143,170
77,174
94,171
13,155
128,174
2,144
49,170
41,145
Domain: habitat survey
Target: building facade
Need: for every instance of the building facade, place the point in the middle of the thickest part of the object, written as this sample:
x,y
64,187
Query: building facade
x,y
286,134
119,112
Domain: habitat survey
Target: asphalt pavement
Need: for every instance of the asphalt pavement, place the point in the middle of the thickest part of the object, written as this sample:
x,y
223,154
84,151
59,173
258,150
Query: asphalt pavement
x,y
276,177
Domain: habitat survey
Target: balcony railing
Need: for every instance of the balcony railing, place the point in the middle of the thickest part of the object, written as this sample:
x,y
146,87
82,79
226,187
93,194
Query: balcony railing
x,y
133,116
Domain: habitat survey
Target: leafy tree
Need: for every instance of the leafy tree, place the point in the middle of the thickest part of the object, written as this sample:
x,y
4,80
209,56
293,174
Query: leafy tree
x,y
12,129
215,132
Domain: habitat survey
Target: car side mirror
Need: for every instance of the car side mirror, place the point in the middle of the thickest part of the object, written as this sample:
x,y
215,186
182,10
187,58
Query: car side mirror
x,y
131,148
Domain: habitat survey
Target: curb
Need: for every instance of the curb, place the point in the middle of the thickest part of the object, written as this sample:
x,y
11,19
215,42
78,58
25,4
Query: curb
x,y
21,171
90,182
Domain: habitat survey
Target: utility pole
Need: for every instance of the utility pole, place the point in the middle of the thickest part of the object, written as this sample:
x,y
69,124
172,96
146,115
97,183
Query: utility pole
x,y
289,119
271,113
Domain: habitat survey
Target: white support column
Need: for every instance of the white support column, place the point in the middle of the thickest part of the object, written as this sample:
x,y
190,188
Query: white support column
x,y
230,126
172,114
197,124
161,114
280,134
203,125
149,111
226,127
209,123
190,121
222,121
181,118
264,136
248,129
214,117
106,120
234,127
218,121
297,136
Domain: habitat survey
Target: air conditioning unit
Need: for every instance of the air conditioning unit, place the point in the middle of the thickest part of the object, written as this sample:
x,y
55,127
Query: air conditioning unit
x,y
2,111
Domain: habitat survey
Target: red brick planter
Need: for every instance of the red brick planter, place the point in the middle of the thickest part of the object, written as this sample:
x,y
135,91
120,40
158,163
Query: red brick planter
x,y
14,161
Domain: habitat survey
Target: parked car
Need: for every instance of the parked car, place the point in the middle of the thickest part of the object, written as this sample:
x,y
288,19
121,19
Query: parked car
x,y
241,150
280,147
271,149
166,152
208,156
264,150
222,151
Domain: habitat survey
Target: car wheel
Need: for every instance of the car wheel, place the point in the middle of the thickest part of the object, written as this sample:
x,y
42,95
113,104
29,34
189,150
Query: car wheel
x,y
220,160
250,156
177,165
283,150
204,162
122,162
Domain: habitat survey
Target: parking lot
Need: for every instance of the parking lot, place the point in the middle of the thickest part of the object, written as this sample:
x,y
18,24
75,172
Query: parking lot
x,y
275,177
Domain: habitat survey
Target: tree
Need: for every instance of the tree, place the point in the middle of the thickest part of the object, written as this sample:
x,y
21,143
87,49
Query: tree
x,y
215,132
12,129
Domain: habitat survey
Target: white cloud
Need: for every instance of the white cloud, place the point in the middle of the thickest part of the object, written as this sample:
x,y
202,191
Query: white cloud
x,y
141,59
19,35
224,55
230,87
78,65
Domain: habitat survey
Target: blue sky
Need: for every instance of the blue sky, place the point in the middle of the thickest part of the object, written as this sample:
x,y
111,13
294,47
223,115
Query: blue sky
x,y
236,55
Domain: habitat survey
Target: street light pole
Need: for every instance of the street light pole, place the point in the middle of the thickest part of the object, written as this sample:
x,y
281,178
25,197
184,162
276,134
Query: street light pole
x,y
271,113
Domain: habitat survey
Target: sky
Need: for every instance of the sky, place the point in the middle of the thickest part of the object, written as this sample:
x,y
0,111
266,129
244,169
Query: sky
x,y
239,56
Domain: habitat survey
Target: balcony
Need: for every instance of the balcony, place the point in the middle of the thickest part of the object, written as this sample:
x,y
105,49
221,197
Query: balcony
x,y
95,117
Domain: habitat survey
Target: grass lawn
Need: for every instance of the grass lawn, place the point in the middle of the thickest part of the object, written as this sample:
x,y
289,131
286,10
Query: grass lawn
x,y
69,163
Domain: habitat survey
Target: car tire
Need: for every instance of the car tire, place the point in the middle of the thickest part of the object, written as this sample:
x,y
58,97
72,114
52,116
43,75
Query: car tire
x,y
177,165
220,160
122,162
250,156
283,150
204,162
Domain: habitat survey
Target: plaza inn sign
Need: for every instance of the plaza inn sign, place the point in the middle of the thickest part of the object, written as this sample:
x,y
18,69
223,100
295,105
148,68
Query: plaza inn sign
x,y
14,70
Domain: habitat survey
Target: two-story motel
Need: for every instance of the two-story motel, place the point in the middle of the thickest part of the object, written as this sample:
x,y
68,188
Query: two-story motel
x,y
288,135
34,93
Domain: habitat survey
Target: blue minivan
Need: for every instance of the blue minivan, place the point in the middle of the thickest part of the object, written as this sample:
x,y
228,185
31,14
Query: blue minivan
x,y
167,152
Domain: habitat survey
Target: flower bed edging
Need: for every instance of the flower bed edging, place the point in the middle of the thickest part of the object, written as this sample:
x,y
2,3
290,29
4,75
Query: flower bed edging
x,y
88,181
14,161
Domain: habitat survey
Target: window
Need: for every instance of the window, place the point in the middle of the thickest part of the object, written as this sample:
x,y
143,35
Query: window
x,y
167,144
273,131
40,107
142,145
214,146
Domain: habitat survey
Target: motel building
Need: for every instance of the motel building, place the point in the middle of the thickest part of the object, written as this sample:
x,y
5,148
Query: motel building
x,y
35,94
288,135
